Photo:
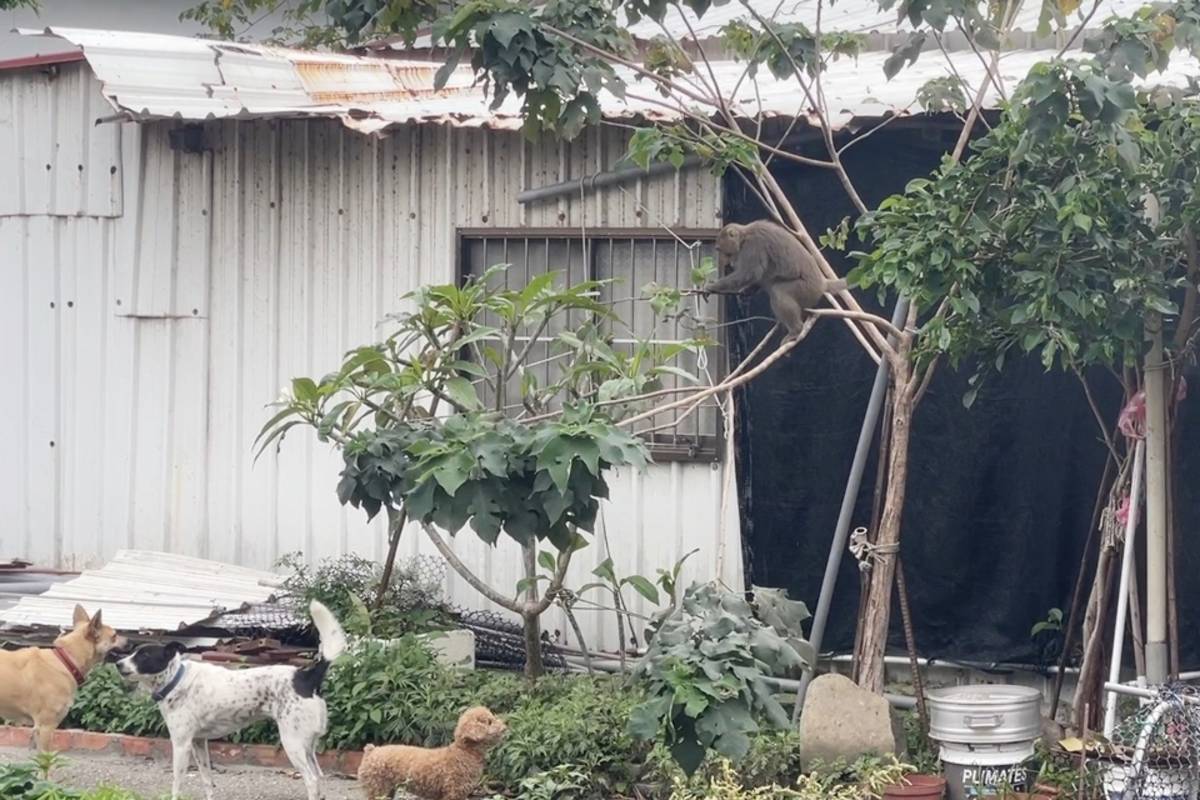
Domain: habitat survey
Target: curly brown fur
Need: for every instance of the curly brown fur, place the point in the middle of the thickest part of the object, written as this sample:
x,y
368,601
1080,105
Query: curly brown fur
x,y
443,773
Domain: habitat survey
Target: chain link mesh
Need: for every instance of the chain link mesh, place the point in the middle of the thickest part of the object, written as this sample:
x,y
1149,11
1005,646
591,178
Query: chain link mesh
x,y
417,584
1153,754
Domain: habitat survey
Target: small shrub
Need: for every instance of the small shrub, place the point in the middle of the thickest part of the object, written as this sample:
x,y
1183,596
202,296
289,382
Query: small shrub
x,y
31,781
773,760
349,586
706,669
564,782
107,703
398,693
920,750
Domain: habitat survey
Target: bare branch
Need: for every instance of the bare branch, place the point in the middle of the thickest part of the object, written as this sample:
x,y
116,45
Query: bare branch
x,y
723,386
1087,391
465,572
815,102
1078,31
669,85
737,132
556,583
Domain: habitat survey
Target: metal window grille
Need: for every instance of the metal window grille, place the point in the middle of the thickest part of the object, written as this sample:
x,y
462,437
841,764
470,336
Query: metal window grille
x,y
631,258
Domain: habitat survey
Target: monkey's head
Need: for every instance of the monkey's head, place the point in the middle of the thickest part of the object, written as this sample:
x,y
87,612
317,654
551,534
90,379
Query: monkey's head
x,y
729,242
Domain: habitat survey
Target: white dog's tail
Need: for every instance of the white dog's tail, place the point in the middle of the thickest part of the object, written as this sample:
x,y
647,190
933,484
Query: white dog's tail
x,y
333,638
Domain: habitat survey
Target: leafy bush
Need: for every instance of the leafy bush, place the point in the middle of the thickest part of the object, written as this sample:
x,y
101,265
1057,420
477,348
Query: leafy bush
x,y
706,668
399,693
349,585
107,703
864,779
31,781
773,760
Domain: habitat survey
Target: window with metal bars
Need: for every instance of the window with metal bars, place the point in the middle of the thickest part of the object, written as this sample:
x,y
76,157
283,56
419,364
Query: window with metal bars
x,y
631,258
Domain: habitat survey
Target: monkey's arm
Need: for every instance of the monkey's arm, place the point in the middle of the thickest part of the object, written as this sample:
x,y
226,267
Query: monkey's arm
x,y
735,282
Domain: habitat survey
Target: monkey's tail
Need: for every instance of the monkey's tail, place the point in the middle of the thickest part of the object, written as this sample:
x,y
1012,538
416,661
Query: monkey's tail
x,y
835,286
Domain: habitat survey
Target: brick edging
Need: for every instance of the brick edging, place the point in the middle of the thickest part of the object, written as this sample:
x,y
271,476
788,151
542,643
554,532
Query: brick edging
x,y
336,762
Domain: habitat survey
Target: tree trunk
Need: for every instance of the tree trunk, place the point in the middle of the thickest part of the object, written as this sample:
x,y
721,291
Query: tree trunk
x,y
883,565
864,578
530,620
534,666
1090,683
396,520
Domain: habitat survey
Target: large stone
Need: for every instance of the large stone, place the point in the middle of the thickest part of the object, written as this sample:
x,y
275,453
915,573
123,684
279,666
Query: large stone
x,y
840,721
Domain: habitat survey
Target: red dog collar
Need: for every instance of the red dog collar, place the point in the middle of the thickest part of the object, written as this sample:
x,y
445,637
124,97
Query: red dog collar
x,y
70,665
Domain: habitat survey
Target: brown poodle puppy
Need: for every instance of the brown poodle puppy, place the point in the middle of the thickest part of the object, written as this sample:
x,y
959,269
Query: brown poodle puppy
x,y
444,773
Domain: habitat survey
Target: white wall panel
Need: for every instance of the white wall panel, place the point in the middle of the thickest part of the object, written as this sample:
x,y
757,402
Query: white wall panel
x,y
290,240
54,158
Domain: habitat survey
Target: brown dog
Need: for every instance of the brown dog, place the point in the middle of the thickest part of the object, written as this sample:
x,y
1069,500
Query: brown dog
x,y
37,685
445,773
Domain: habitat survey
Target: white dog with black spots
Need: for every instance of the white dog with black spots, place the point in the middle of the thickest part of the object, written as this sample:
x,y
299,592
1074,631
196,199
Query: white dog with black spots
x,y
202,701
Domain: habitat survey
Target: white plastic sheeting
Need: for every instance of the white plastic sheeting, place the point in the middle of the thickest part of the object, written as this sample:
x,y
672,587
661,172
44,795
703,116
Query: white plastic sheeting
x,y
141,350
146,591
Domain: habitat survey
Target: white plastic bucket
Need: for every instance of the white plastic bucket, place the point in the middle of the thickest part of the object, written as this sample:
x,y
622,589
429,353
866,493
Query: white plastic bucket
x,y
1158,783
981,770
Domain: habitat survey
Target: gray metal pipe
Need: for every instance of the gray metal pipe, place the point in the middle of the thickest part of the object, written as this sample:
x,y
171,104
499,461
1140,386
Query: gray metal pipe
x,y
842,532
610,178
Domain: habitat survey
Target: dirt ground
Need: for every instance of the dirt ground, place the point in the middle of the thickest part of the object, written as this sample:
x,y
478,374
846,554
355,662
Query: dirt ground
x,y
152,779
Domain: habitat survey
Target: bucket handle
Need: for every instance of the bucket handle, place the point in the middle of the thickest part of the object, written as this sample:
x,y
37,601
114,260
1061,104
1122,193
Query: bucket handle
x,y
983,721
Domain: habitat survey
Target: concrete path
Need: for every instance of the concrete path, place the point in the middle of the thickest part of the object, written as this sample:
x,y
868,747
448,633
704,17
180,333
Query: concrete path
x,y
152,779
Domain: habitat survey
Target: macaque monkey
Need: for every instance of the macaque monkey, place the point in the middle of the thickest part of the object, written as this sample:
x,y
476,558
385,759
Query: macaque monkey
x,y
769,257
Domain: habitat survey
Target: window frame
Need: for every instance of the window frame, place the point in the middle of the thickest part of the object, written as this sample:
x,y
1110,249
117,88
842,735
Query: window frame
x,y
662,450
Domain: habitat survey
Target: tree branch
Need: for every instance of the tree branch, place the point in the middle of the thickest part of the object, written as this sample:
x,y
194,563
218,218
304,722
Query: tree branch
x,y
1187,316
723,386
465,572
556,583
670,86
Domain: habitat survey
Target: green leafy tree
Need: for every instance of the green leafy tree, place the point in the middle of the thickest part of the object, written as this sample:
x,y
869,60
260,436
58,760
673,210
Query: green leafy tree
x,y
446,423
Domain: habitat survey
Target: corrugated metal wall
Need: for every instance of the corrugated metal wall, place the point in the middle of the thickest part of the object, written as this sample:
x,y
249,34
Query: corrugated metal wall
x,y
150,310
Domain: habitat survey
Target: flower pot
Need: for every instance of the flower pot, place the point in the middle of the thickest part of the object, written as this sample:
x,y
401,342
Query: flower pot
x,y
917,787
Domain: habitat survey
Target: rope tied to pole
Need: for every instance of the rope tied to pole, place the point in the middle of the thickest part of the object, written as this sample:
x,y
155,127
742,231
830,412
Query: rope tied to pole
x,y
866,552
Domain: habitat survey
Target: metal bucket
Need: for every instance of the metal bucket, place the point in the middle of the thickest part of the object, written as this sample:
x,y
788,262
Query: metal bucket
x,y
986,733
985,714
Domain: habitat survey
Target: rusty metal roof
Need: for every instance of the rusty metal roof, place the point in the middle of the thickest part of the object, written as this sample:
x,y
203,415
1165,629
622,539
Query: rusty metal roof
x,y
154,76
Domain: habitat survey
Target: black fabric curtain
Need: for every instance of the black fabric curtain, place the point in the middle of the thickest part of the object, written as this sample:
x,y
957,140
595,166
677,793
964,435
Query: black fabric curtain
x,y
999,495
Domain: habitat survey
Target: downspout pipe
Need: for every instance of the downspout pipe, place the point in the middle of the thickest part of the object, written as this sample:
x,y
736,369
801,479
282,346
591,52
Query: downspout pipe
x,y
600,179
842,532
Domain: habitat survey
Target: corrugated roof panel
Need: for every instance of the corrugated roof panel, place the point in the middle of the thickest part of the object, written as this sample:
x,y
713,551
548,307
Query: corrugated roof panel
x,y
155,76
145,591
